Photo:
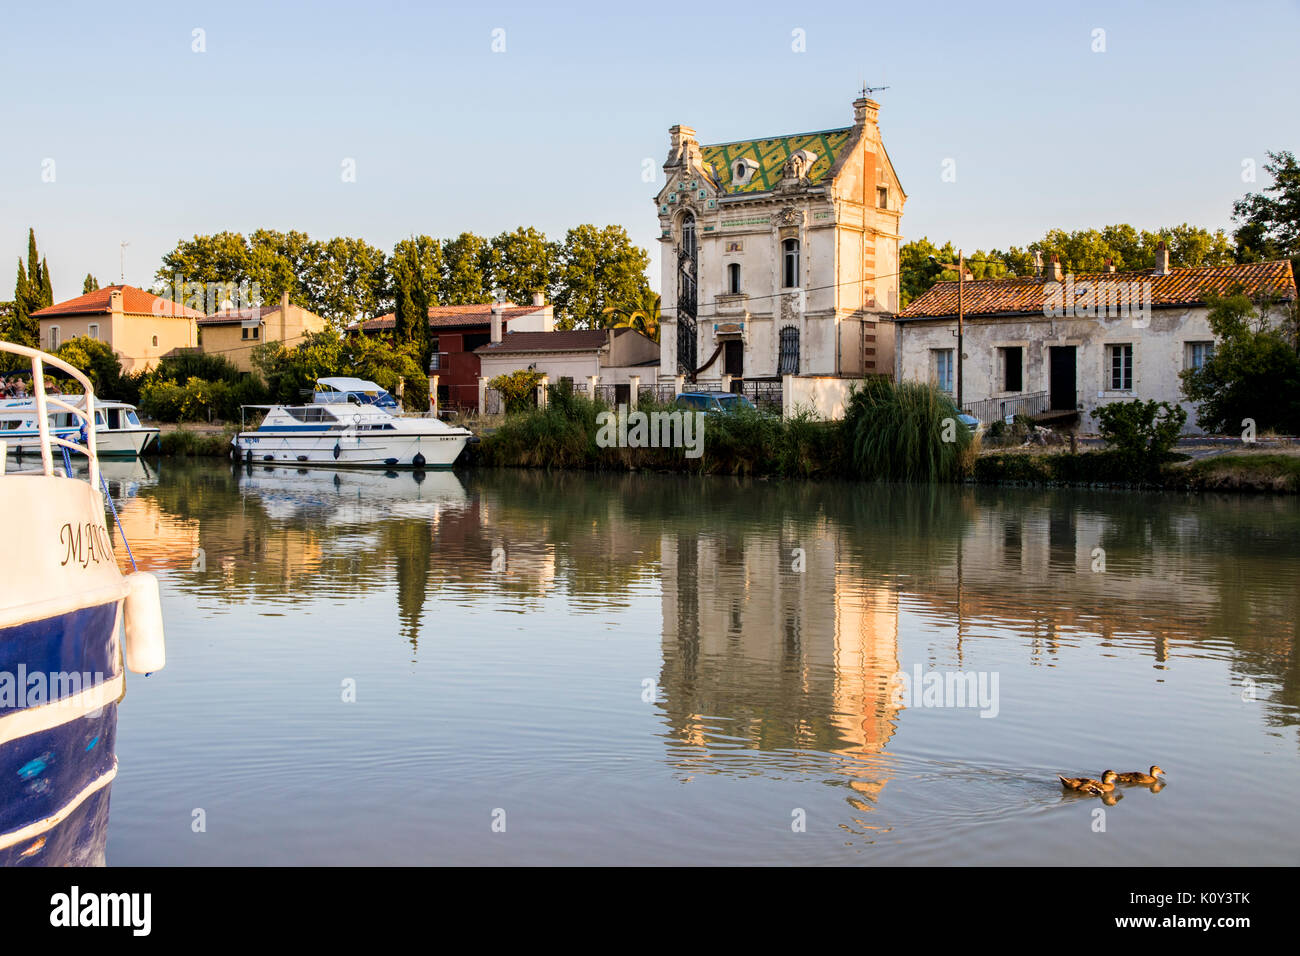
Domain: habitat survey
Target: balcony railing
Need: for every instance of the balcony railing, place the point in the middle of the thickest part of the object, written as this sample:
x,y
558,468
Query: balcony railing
x,y
1031,403
439,362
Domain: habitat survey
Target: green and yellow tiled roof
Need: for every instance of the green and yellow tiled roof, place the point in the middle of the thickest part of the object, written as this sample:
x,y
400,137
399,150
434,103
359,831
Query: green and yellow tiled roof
x,y
771,154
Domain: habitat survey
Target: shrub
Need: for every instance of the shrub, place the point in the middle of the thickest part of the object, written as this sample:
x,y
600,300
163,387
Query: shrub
x,y
518,389
1143,433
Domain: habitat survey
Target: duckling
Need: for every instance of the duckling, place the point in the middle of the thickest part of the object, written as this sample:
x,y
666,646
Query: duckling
x,y
1088,785
1137,776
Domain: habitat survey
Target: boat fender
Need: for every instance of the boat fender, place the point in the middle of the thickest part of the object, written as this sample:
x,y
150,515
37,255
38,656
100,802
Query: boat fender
x,y
418,460
336,451
142,613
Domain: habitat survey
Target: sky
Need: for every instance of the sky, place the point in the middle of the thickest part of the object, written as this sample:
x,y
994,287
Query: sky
x,y
122,123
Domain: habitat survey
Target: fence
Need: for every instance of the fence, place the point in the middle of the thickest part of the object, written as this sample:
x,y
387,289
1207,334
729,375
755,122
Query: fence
x,y
762,394
1034,403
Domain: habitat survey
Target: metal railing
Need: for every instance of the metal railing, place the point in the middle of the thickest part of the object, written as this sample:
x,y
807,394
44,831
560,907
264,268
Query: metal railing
x,y
761,393
1031,403
439,362
47,440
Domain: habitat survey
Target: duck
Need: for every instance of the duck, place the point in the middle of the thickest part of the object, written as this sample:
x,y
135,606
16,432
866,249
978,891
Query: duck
x,y
1137,776
1088,785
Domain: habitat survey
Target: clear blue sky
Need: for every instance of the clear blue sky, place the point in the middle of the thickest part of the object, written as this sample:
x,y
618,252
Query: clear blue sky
x,y
152,142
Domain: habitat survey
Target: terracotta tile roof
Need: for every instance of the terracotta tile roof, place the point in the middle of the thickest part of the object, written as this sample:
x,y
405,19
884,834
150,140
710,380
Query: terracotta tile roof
x,y
236,316
451,316
578,340
1181,287
134,301
771,154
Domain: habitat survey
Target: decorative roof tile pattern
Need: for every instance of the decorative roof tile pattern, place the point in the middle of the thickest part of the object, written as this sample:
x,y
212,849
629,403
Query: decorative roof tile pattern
x,y
771,154
578,340
451,316
134,302
1181,287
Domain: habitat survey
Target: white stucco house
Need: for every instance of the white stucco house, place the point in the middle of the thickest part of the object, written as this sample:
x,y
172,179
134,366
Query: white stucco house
x,y
779,255
1058,342
609,357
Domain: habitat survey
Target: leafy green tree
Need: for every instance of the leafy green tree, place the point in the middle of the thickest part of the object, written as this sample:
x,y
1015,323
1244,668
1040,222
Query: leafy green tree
x,y
1269,222
1253,373
597,268
465,266
89,284
346,279
411,304
521,263
102,366
425,253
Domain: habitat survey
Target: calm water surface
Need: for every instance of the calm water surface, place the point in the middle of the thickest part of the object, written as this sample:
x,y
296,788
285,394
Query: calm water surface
x,y
653,670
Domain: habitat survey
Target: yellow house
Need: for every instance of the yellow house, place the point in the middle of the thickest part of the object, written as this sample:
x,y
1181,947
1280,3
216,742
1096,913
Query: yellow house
x,y
140,327
235,333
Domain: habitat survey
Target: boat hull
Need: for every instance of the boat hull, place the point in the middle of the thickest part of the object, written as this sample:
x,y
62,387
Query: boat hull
x,y
343,450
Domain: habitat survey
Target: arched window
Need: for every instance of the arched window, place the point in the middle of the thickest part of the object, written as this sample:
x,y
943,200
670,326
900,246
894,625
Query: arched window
x,y
733,278
790,264
689,247
788,360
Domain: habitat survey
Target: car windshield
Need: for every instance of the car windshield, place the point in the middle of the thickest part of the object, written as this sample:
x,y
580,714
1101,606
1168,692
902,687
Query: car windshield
x,y
731,403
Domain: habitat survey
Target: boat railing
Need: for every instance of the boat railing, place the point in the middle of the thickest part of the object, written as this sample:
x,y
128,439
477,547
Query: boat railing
x,y
48,440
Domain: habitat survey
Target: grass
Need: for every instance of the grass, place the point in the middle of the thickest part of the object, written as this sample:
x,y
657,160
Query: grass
x,y
182,442
1239,472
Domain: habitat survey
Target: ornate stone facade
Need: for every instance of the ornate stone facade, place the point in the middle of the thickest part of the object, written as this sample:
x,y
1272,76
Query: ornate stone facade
x,y
780,255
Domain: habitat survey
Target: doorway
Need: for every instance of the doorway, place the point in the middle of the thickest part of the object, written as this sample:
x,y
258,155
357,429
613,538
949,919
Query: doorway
x,y
1064,383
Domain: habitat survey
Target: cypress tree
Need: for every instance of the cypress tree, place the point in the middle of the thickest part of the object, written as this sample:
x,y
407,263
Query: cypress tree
x,y
47,289
89,284
21,331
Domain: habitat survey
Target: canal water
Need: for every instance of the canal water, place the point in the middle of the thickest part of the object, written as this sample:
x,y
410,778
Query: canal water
x,y
510,667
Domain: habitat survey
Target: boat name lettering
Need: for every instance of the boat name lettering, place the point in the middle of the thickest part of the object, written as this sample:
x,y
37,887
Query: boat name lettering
x,y
85,544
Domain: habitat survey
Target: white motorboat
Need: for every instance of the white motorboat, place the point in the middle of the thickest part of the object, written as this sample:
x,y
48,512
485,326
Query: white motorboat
x,y
62,605
349,435
118,432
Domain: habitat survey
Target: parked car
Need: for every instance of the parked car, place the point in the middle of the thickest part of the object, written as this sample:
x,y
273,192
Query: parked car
x,y
971,422
714,402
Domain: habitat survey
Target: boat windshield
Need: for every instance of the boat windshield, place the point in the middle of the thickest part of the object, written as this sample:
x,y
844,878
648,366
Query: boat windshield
x,y
380,398
131,418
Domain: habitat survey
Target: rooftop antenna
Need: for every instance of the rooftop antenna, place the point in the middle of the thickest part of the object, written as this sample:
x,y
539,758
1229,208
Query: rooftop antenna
x,y
868,90
122,254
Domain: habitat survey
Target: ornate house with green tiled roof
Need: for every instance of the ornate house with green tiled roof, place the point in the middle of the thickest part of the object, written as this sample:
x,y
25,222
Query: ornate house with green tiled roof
x,y
780,255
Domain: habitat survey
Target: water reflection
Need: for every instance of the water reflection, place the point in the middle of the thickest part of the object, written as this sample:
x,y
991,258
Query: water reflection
x,y
771,619
780,602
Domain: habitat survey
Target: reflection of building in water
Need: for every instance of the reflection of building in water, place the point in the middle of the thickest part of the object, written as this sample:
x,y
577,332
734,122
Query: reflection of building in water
x,y
779,659
159,541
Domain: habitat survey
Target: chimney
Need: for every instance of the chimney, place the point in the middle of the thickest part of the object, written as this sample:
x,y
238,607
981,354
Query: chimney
x,y
1053,271
865,111
539,300
496,323
115,300
1110,265
1162,259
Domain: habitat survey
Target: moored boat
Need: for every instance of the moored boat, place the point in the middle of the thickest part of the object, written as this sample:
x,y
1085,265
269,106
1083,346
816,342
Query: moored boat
x,y
351,435
118,431
62,666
